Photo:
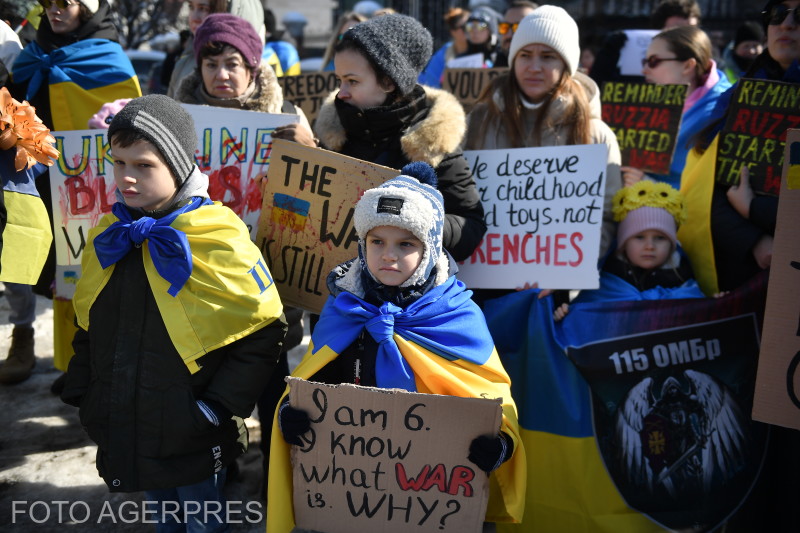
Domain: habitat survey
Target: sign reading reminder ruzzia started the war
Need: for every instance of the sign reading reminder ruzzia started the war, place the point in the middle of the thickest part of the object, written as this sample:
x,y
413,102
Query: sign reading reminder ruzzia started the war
x,y
645,117
761,111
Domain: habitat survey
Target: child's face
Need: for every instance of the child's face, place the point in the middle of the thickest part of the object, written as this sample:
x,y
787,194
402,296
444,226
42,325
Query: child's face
x,y
648,249
142,176
393,254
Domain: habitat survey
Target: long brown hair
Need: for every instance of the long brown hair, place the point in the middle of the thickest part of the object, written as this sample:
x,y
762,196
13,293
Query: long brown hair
x,y
577,114
690,42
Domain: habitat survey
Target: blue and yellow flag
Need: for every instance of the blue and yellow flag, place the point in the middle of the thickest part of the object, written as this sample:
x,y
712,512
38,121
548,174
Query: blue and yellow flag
x,y
27,234
444,340
634,415
229,295
80,77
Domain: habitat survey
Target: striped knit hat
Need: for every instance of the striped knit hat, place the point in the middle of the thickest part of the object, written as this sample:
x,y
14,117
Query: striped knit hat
x,y
410,201
167,125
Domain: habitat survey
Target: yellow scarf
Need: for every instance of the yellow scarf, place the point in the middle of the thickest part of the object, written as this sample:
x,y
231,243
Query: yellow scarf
x,y
229,295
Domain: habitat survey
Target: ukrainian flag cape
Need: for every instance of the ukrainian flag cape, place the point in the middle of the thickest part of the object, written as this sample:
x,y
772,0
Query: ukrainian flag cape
x,y
27,235
444,339
229,295
81,77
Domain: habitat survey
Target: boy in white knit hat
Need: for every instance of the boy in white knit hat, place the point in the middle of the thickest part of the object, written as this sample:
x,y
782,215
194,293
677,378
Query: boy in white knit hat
x,y
397,317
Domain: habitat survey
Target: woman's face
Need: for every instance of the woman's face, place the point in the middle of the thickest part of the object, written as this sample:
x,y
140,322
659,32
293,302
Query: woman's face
x,y
64,20
783,40
198,11
668,70
358,83
538,69
225,75
477,32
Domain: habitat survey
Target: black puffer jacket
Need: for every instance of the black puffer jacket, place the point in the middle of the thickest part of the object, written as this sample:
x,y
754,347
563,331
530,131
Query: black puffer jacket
x,y
427,125
138,399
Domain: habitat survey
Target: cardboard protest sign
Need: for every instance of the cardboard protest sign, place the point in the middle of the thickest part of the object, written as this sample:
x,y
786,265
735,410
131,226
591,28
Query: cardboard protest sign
x,y
760,113
543,211
308,91
634,51
645,117
306,226
466,84
777,397
389,460
233,150
468,61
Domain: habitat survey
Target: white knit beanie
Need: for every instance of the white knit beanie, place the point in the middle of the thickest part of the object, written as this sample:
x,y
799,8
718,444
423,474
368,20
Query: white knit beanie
x,y
91,5
552,26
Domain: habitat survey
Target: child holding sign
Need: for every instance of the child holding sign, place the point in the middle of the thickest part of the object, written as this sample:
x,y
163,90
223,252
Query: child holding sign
x,y
180,322
397,317
648,263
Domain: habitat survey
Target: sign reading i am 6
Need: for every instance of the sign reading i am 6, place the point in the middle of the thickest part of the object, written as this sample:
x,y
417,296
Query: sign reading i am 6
x,y
389,460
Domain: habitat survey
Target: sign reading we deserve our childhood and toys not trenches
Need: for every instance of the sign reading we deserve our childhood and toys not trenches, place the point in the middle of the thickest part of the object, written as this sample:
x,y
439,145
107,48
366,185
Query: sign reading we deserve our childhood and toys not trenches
x,y
754,134
645,117
233,150
389,460
543,211
306,226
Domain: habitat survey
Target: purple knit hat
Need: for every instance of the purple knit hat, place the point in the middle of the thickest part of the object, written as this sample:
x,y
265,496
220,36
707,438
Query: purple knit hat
x,y
231,30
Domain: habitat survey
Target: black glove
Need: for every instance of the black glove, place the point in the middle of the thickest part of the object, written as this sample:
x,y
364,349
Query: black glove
x,y
489,452
292,423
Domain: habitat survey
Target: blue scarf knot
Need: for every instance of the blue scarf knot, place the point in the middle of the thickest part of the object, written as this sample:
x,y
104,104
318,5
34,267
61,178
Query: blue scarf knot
x,y
169,248
444,321
381,326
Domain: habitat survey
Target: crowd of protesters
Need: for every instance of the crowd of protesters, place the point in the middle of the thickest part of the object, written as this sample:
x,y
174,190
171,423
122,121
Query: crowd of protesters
x,y
389,109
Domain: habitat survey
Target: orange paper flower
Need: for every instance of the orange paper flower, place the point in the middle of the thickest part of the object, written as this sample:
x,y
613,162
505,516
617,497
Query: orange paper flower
x,y
21,129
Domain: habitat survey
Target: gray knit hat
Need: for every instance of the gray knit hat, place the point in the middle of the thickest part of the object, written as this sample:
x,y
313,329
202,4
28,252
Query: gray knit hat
x,y
164,123
398,44
551,26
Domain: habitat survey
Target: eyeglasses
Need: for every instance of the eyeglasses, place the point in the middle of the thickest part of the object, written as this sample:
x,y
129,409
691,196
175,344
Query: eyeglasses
x,y
475,26
61,4
653,61
503,27
777,14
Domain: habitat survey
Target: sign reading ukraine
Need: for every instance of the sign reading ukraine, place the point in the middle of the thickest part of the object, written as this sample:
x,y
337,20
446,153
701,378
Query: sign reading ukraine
x,y
233,150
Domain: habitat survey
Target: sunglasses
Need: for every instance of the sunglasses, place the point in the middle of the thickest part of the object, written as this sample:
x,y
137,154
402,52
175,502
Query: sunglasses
x,y
474,26
653,61
777,14
61,4
504,27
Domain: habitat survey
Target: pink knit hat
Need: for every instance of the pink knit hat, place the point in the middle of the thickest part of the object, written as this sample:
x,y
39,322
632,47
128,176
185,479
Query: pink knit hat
x,y
645,218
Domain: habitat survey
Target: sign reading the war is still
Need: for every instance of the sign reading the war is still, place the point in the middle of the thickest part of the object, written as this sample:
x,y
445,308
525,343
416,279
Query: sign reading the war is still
x,y
645,117
233,150
543,212
306,226
389,460
308,91
777,398
466,84
755,133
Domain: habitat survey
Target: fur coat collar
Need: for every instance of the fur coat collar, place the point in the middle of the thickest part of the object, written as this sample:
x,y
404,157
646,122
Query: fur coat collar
x,y
439,133
266,97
